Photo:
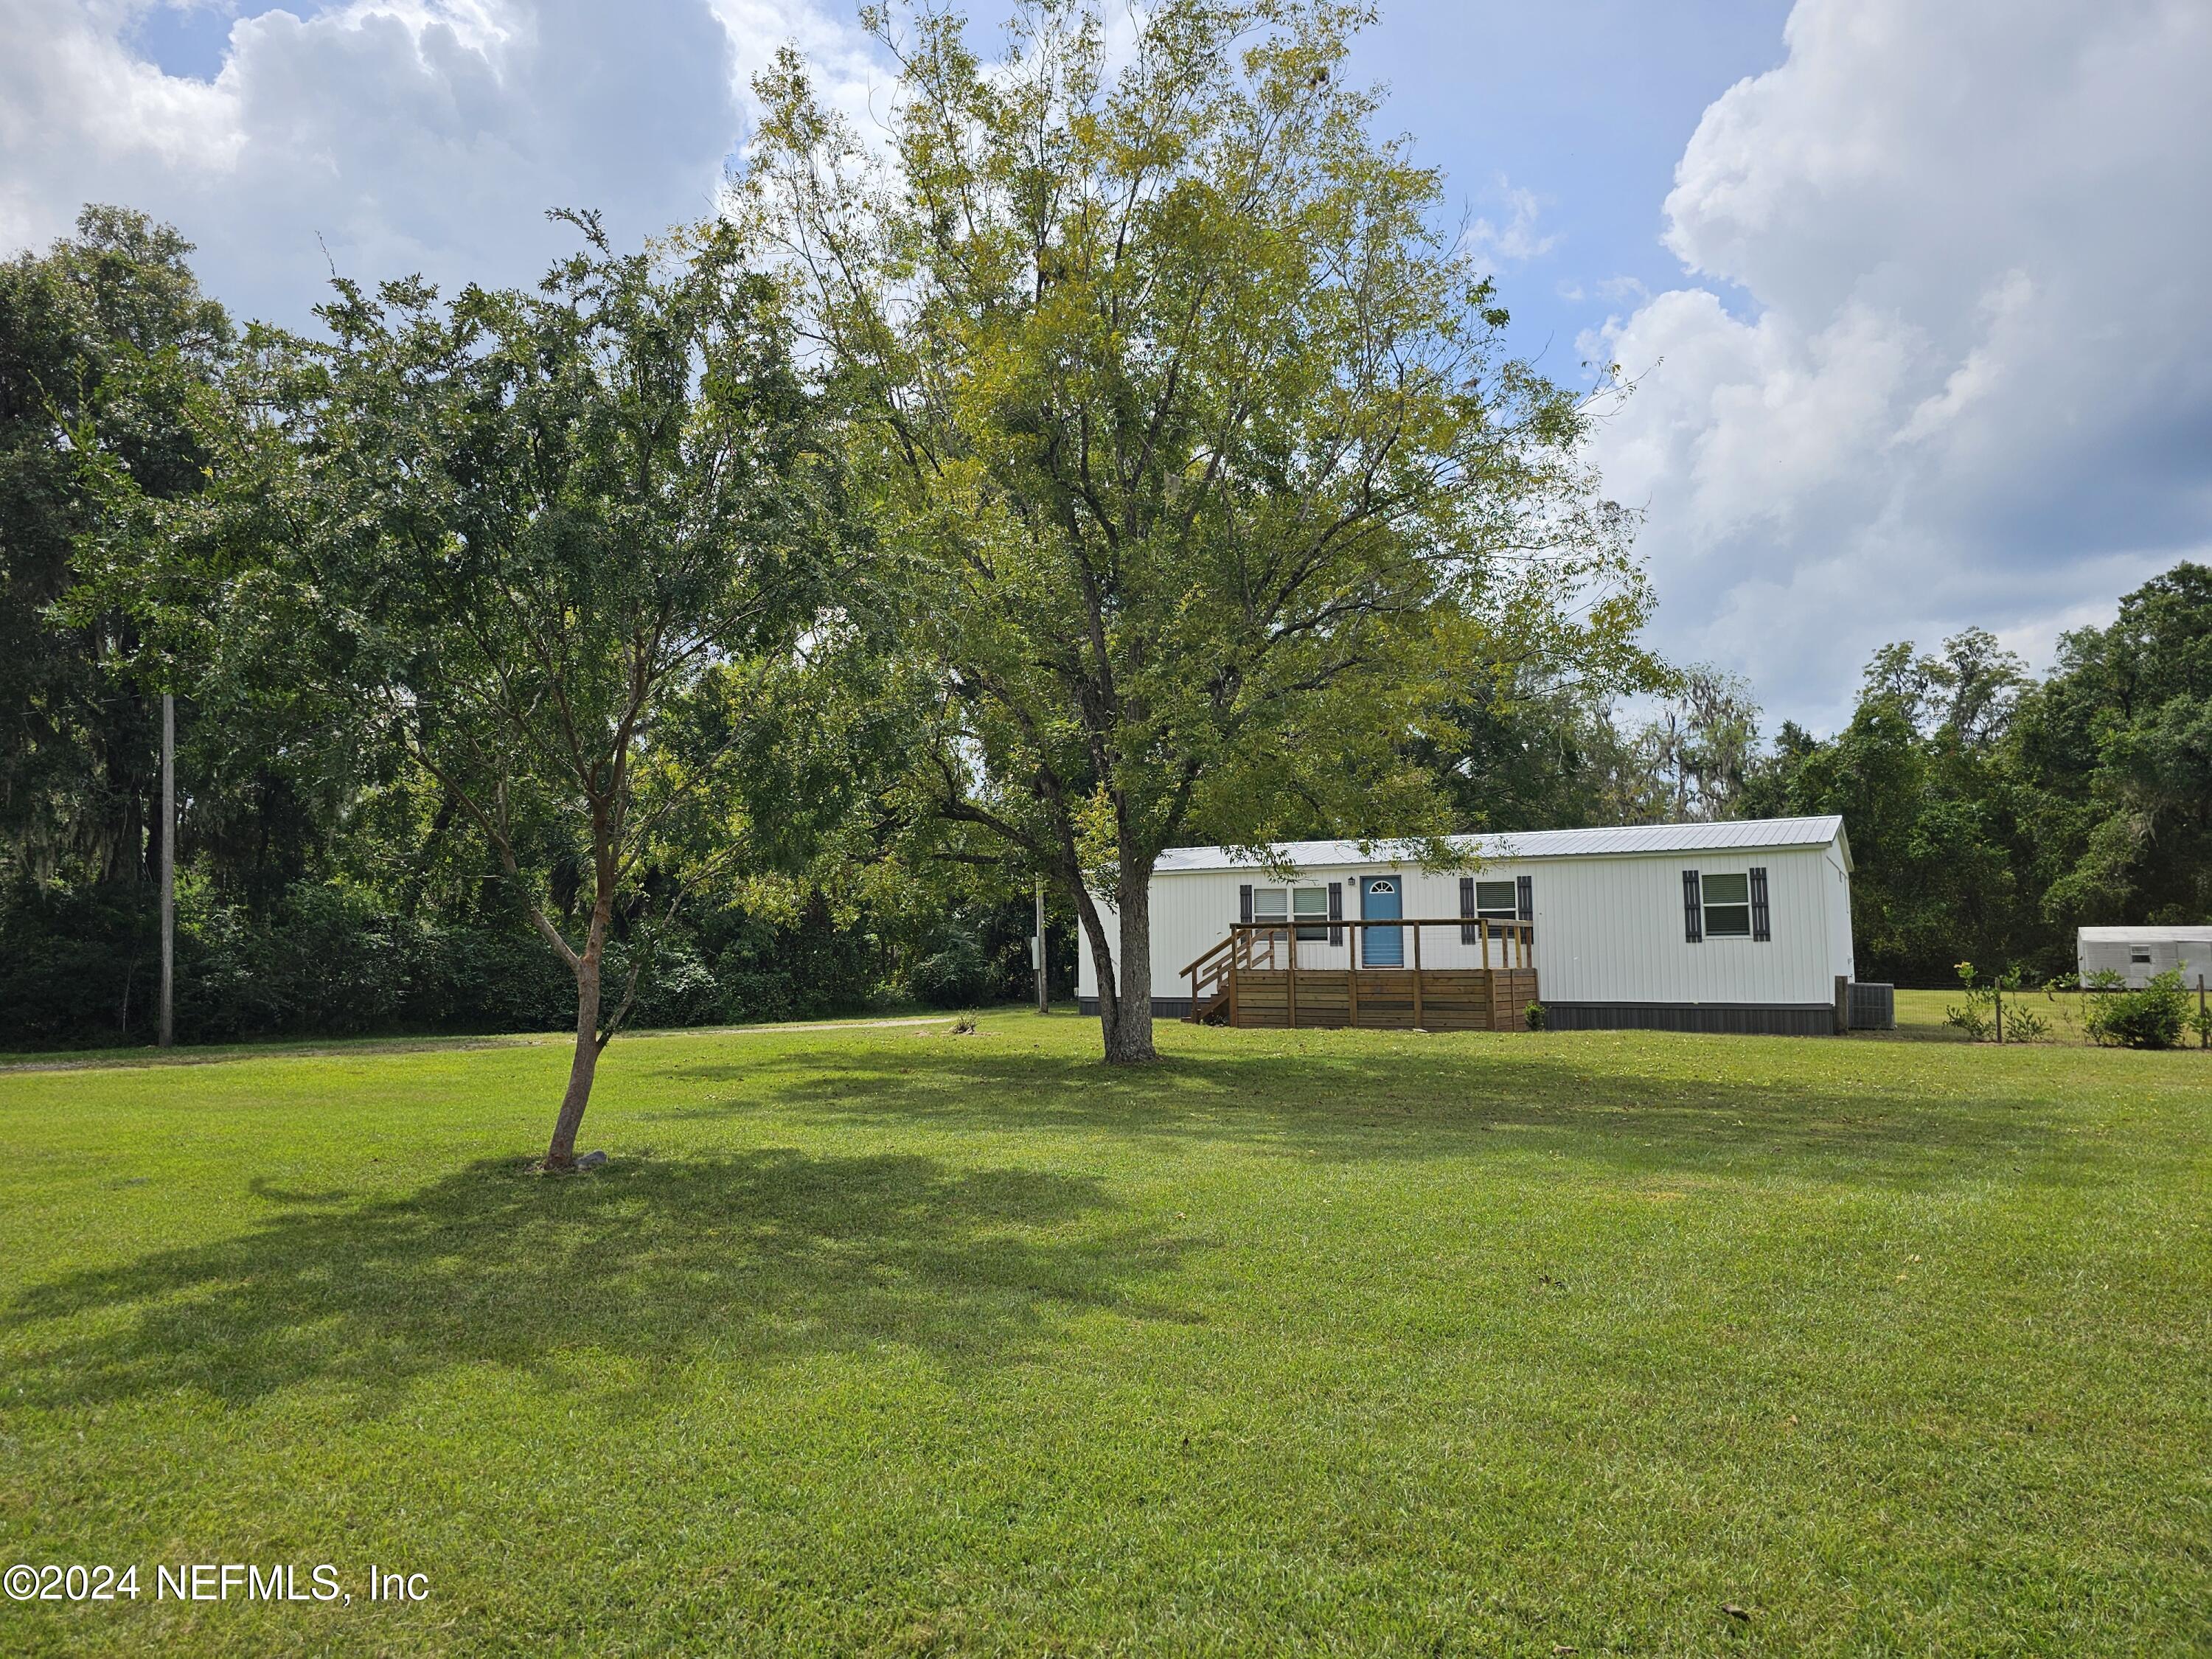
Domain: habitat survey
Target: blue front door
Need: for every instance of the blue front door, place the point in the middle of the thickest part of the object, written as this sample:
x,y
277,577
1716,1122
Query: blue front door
x,y
1381,947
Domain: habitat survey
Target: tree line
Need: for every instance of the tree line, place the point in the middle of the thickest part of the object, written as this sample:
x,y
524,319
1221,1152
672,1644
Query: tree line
x,y
1990,813
1118,450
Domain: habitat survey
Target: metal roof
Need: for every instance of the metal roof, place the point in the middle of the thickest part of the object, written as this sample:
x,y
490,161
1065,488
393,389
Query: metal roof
x,y
2147,935
1623,840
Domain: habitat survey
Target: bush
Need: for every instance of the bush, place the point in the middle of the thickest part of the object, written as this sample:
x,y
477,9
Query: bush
x,y
955,977
2153,1018
1976,1015
1538,1016
78,968
1985,1014
81,968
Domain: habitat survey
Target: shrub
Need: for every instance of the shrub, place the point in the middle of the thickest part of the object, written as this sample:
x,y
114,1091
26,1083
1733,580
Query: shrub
x,y
955,977
1975,1016
1538,1016
2153,1018
1985,1015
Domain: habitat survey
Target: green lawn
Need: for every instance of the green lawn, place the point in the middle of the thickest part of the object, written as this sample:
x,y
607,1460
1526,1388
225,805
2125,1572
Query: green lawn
x,y
895,1340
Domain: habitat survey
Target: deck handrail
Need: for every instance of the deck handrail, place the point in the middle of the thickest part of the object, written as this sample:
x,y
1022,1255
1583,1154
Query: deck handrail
x,y
1519,936
1323,923
1210,950
1525,929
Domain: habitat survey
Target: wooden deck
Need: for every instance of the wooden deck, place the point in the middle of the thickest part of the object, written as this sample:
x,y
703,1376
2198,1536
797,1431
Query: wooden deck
x,y
1386,998
1247,979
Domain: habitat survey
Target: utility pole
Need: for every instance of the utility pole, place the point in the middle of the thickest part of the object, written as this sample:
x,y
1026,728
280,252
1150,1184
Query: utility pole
x,y
1044,1000
168,1036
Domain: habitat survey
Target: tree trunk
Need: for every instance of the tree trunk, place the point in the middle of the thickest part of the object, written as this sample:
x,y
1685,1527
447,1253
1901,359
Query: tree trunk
x,y
1126,1018
562,1154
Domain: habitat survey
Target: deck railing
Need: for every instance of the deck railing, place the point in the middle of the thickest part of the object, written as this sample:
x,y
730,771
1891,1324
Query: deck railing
x,y
1251,945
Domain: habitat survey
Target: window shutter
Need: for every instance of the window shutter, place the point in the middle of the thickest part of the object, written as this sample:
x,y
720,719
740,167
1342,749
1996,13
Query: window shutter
x,y
1244,902
1336,911
1526,886
1469,933
1760,929
1693,913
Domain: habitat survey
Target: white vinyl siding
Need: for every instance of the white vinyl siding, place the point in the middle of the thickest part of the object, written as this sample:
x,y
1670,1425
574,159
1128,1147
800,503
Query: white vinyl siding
x,y
1608,926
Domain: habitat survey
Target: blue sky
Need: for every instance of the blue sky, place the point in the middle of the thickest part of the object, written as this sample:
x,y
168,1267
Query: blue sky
x,y
1585,105
1583,108
1911,294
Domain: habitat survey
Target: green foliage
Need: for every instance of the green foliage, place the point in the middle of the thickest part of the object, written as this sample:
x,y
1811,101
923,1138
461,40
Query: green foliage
x,y
327,959
548,553
104,340
1539,1017
1991,813
1994,1010
2152,1016
1976,1017
1194,456
2116,748
954,976
1921,778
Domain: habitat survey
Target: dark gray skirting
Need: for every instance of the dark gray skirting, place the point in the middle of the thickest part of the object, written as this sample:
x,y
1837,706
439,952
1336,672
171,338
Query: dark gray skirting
x,y
1737,1019
1741,1018
1162,1008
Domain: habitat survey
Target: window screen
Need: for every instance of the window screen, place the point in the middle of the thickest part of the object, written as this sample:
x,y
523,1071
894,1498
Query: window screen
x,y
1727,907
1310,904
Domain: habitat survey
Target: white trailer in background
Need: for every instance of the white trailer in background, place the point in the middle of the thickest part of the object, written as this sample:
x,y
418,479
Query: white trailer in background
x,y
2139,955
1736,927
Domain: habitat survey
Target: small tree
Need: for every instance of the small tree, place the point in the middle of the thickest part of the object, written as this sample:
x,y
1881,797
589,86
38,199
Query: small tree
x,y
544,547
2153,1016
1200,472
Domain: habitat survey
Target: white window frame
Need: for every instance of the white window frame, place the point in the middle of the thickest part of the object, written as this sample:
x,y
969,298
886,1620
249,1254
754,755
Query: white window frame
x,y
1509,911
1707,905
1312,923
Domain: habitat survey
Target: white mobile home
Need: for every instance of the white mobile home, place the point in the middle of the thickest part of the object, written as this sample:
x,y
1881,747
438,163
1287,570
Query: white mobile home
x,y
2139,955
1740,926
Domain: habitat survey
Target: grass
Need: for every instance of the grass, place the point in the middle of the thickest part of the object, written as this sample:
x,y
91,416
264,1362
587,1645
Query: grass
x,y
887,1341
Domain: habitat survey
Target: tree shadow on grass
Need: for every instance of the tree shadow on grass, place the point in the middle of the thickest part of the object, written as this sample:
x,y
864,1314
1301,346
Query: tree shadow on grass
x,y
1442,1096
752,1257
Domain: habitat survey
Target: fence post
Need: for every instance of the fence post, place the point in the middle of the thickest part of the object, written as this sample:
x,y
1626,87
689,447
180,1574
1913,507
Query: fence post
x,y
1996,989
1352,982
1843,1005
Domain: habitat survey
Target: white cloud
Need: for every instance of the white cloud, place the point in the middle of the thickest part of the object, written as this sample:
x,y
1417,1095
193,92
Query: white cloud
x,y
403,134
1964,374
1517,241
